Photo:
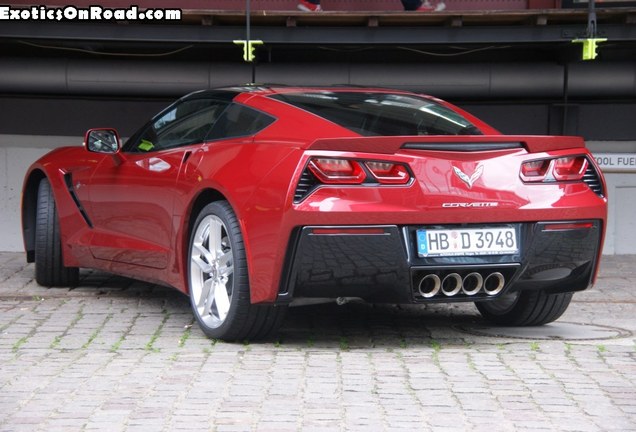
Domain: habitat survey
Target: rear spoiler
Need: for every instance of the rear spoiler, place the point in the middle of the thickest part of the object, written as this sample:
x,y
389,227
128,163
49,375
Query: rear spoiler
x,y
463,143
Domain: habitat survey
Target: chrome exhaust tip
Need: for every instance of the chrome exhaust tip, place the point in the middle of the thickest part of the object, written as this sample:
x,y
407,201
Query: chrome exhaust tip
x,y
494,283
472,283
451,284
429,285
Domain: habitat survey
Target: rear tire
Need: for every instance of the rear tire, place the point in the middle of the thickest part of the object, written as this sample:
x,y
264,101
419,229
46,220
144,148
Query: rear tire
x,y
525,308
218,280
49,264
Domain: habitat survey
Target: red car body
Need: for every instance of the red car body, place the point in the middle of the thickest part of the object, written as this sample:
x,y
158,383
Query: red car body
x,y
132,212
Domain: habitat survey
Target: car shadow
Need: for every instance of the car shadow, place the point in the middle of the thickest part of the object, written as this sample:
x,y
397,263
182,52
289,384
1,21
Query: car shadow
x,y
352,326
364,325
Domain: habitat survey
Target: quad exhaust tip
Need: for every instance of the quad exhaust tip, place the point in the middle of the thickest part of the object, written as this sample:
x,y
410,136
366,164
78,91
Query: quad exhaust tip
x,y
494,283
431,284
452,284
472,283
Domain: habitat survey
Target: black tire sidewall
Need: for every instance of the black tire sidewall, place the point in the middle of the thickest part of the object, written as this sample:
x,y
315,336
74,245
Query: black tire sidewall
x,y
49,260
531,308
42,232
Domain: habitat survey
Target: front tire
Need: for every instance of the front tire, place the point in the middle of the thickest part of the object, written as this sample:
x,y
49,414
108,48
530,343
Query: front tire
x,y
49,265
218,280
525,308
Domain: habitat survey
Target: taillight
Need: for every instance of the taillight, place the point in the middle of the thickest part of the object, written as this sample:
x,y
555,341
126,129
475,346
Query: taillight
x,y
569,168
389,173
343,171
534,171
337,171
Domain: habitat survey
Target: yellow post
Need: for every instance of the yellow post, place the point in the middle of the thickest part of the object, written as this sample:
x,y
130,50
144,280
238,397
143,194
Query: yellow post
x,y
248,48
589,47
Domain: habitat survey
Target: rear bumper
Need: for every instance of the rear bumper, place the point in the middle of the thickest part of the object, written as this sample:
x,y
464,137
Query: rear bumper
x,y
380,264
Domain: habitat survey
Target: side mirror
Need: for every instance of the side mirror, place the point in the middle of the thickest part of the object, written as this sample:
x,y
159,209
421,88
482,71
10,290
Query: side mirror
x,y
102,141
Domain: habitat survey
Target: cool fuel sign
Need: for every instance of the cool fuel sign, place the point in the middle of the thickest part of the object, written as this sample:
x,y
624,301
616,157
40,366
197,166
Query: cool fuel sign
x,y
616,162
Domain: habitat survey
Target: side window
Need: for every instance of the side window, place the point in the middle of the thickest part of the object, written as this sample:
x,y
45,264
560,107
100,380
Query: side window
x,y
239,120
187,122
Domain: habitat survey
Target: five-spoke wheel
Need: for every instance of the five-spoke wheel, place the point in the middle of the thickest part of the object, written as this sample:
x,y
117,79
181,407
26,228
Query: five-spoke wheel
x,y
211,271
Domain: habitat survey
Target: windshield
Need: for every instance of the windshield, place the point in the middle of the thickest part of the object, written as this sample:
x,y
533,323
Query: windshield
x,y
382,114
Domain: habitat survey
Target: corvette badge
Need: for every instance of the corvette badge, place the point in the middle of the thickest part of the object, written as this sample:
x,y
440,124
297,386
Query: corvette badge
x,y
469,180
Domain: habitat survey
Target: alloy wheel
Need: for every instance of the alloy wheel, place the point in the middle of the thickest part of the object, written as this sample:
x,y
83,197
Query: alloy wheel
x,y
211,271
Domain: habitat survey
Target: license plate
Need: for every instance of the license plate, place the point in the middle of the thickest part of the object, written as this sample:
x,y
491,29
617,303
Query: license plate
x,y
470,241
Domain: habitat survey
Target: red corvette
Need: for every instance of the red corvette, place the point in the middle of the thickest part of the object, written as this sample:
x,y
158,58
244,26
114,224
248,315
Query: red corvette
x,y
253,198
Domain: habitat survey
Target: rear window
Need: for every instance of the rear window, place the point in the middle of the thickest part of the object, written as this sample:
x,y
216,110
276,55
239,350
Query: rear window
x,y
382,114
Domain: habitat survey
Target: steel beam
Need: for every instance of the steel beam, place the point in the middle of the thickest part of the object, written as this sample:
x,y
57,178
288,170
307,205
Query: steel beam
x,y
315,35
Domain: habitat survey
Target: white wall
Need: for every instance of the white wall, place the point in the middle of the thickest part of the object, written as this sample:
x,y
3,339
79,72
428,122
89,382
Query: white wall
x,y
620,235
621,221
17,152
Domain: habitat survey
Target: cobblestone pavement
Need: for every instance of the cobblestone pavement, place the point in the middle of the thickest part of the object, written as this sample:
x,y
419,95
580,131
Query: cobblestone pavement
x,y
120,355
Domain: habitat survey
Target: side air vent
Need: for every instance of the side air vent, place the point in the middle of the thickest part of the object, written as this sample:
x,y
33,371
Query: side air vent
x,y
68,179
592,179
306,184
